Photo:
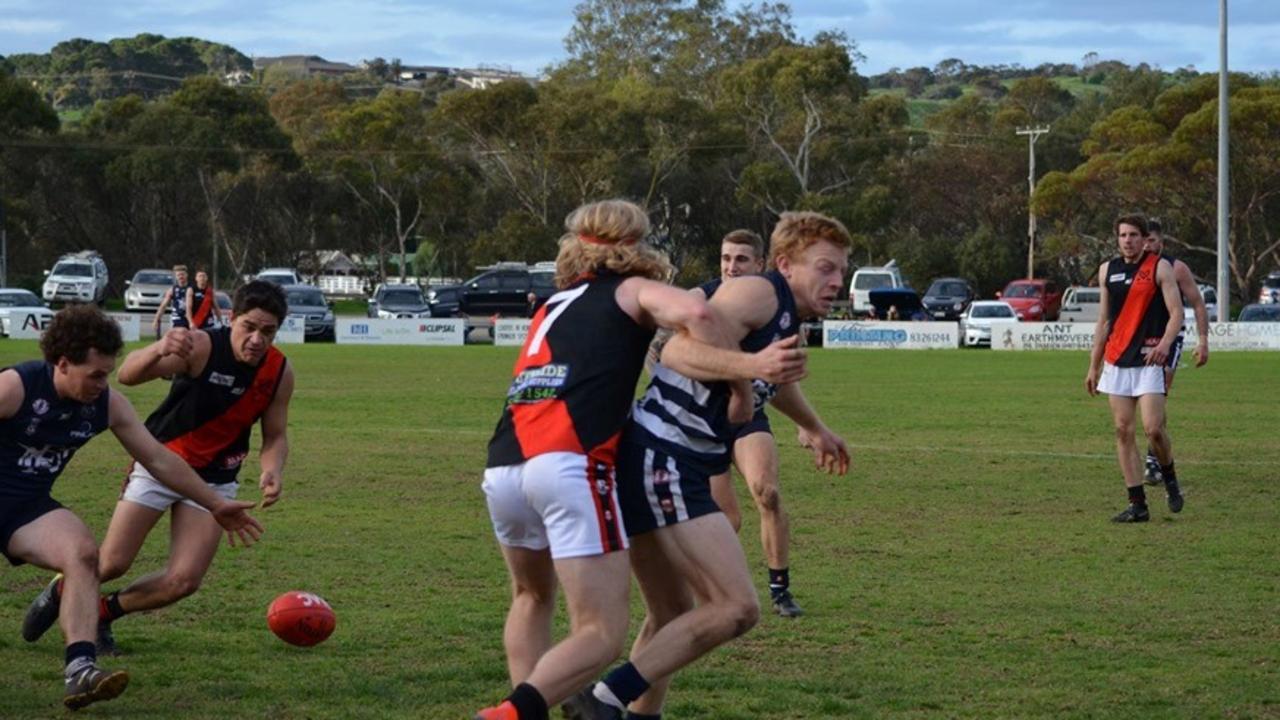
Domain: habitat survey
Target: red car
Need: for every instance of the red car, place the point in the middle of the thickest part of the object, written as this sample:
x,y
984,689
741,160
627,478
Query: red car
x,y
1033,300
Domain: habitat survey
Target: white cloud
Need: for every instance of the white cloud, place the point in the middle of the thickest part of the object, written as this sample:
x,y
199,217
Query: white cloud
x,y
29,27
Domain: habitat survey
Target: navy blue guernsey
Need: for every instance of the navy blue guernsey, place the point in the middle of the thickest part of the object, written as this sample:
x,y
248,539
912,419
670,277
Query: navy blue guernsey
x,y
178,305
39,440
687,419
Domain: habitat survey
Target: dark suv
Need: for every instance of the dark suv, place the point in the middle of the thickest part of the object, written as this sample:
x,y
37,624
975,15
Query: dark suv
x,y
503,290
948,298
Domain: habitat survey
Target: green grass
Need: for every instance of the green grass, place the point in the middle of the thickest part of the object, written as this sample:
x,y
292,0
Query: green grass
x,y
964,568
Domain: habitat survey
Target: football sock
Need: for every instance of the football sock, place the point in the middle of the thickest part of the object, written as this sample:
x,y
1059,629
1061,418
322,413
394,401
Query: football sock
x,y
1137,496
80,655
1167,470
109,608
621,686
779,580
529,703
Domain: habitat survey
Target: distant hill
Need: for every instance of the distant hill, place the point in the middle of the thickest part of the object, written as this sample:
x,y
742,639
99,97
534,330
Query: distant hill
x,y
77,72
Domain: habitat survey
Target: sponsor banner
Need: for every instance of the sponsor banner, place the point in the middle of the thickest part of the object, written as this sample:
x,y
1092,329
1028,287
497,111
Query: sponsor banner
x,y
292,330
130,325
1237,336
510,331
1013,335
28,325
891,335
386,331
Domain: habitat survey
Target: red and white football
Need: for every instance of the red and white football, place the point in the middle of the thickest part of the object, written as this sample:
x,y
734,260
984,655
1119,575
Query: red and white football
x,y
301,618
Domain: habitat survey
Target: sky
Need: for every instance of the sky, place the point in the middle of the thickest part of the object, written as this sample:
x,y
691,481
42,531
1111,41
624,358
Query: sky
x,y
527,35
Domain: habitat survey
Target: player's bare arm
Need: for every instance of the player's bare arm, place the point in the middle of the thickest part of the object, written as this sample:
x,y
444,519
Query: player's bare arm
x,y
830,453
275,441
179,352
1100,330
175,473
191,301
11,394
164,304
1187,287
1173,300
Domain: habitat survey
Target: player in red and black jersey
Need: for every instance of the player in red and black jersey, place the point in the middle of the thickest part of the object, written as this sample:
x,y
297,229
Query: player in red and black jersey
x,y
549,482
225,380
201,308
1139,318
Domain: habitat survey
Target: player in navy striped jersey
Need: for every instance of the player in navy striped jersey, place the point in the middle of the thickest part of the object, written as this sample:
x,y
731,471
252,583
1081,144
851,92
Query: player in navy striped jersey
x,y
49,409
683,547
225,380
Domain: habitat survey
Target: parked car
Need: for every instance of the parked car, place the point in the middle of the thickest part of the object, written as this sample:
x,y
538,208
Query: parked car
x,y
976,321
147,289
897,304
280,276
398,301
1270,293
1033,299
947,298
504,289
223,301
77,278
445,301
1260,312
19,306
866,279
1080,304
308,303
1210,295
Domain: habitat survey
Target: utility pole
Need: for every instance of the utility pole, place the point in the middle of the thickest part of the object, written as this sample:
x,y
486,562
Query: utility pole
x,y
1224,176
1033,134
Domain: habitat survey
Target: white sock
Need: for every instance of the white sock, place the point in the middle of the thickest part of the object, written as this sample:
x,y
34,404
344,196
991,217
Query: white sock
x,y
606,696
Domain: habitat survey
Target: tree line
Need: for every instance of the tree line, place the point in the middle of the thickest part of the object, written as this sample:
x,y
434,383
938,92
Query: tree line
x,y
713,118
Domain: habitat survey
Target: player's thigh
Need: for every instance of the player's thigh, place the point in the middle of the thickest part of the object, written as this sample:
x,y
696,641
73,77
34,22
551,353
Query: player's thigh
x,y
706,554
1152,407
531,571
1123,410
597,590
128,529
756,456
666,594
55,540
194,537
723,494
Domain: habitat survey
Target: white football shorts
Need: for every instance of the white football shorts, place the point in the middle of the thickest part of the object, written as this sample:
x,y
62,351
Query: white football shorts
x,y
144,489
1131,381
564,501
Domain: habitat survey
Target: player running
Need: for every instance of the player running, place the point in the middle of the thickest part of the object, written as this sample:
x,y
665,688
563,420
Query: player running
x,y
48,410
201,306
225,380
175,300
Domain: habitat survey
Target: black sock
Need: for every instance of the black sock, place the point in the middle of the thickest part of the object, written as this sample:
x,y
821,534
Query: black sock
x,y
529,702
1138,496
779,580
109,609
80,655
1167,471
1151,453
626,683
640,716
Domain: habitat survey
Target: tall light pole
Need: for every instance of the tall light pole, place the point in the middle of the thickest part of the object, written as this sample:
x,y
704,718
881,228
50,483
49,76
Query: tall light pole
x,y
1224,176
1033,134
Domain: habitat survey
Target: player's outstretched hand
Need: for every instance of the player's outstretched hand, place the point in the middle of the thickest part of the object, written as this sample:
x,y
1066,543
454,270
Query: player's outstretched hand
x,y
1091,382
1202,354
177,342
269,483
830,453
238,523
782,362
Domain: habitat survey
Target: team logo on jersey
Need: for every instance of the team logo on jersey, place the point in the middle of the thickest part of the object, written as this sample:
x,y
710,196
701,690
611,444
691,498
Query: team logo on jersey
x,y
87,411
33,426
48,459
784,322
40,406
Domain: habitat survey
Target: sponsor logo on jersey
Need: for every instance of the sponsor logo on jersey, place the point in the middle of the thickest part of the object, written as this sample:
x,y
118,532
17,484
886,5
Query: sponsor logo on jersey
x,y
784,322
224,380
84,432
539,383
48,459
233,460
1116,277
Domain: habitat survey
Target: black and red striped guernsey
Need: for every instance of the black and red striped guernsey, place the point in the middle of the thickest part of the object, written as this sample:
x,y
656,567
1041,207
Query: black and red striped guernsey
x,y
575,378
201,307
1139,315
207,419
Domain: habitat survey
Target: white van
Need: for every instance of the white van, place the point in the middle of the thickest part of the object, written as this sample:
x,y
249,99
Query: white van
x,y
866,279
1080,304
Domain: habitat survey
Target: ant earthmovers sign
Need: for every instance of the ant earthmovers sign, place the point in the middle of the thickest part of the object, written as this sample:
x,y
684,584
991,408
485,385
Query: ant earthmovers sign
x,y
1079,336
890,335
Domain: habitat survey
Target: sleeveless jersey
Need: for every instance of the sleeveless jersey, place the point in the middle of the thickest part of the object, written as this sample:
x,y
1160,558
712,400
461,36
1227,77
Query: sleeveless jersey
x,y
178,305
575,377
688,419
207,419
202,307
39,440
1137,310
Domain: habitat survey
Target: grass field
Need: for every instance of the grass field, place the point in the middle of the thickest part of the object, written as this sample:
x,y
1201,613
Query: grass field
x,y
965,568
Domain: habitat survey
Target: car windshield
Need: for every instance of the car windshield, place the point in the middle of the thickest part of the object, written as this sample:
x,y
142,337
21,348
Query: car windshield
x,y
948,289
1087,297
543,280
1210,296
1022,290
153,278
1260,313
991,311
305,298
73,269
278,278
19,299
871,281
1272,283
402,297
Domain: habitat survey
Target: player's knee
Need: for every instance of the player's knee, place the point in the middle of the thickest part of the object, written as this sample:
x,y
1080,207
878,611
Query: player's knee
x,y
534,593
82,558
112,565
1154,430
741,615
180,585
1124,432
768,498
